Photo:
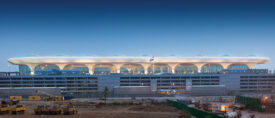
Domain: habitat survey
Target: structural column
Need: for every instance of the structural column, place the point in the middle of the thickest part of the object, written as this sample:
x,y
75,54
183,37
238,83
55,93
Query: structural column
x,y
130,70
91,68
225,65
184,70
251,65
173,67
199,66
193,70
161,69
61,66
146,67
32,67
117,67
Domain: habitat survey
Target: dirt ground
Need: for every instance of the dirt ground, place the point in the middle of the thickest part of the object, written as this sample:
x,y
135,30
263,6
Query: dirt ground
x,y
130,111
246,113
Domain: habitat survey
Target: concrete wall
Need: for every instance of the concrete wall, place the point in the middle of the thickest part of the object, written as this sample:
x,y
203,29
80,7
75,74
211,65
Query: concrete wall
x,y
25,92
208,90
133,90
231,81
107,81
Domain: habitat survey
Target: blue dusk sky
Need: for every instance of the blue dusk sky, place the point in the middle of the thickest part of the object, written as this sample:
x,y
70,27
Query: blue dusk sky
x,y
137,28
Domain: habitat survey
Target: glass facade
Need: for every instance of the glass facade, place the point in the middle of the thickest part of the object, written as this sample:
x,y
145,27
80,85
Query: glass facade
x,y
102,70
238,67
211,68
24,70
75,70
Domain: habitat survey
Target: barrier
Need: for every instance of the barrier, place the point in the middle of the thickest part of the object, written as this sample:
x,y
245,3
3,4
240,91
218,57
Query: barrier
x,y
250,103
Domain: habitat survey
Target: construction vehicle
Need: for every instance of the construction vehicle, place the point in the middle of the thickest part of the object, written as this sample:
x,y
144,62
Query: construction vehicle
x,y
18,109
48,109
69,109
16,97
59,98
52,98
55,110
42,109
34,98
48,97
38,110
14,101
4,109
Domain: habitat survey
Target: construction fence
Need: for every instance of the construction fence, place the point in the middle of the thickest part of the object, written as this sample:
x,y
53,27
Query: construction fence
x,y
250,103
193,111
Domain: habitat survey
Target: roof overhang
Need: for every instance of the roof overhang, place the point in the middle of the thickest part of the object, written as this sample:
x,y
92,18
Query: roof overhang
x,y
99,60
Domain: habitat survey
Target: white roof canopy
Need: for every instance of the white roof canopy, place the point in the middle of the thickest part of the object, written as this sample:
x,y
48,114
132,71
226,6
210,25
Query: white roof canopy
x,y
88,60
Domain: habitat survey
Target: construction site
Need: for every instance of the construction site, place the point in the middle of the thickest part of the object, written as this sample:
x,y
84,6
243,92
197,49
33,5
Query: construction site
x,y
246,106
48,105
84,109
49,102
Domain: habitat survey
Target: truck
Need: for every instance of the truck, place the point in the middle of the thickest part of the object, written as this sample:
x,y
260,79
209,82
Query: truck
x,y
55,109
34,98
5,108
18,109
16,97
44,109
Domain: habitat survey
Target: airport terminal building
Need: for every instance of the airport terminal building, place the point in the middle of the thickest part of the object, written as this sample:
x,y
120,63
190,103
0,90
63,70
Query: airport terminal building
x,y
125,76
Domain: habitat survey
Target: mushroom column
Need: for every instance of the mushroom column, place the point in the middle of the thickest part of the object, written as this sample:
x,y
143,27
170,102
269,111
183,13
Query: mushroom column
x,y
199,66
225,65
173,67
91,68
32,67
146,67
61,66
117,67
250,65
